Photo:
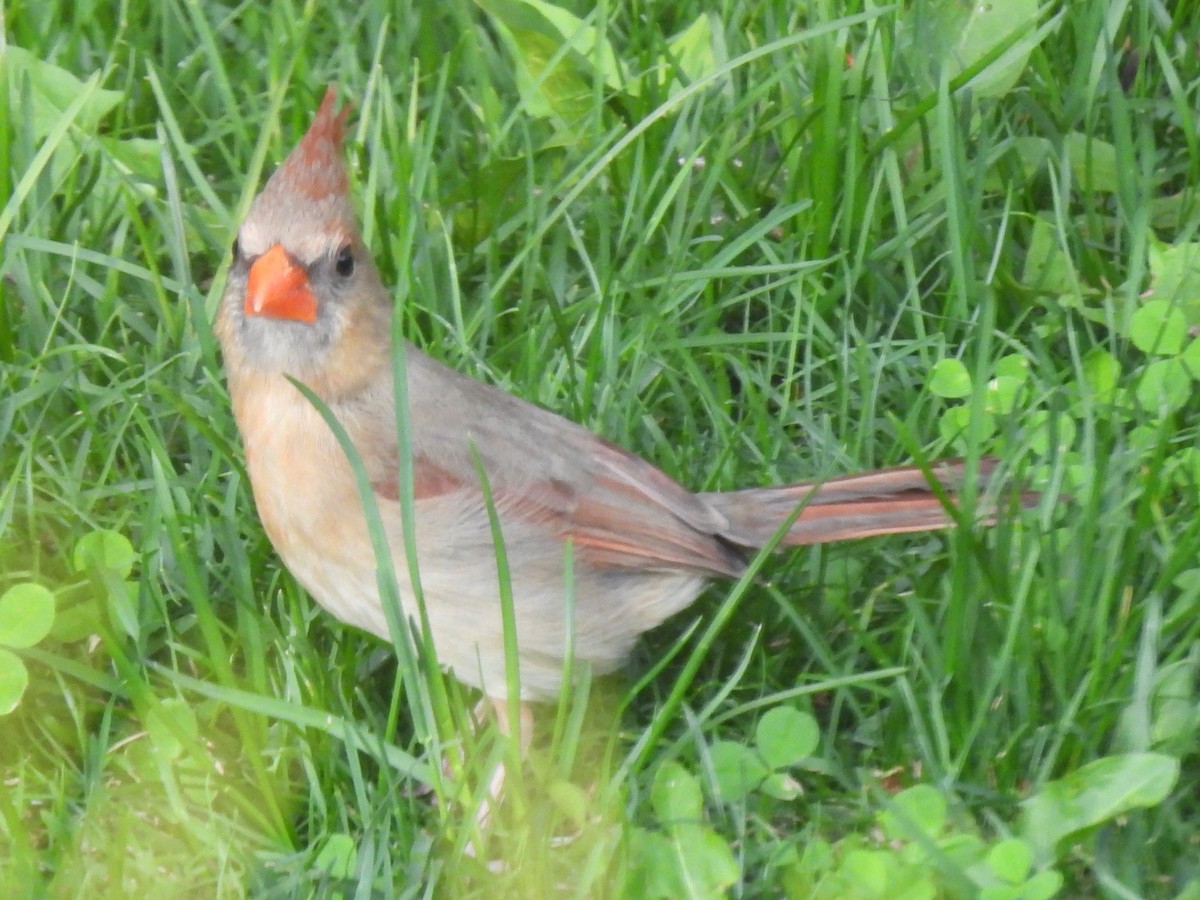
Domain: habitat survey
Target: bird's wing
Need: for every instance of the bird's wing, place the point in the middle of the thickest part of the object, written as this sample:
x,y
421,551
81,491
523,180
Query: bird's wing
x,y
617,509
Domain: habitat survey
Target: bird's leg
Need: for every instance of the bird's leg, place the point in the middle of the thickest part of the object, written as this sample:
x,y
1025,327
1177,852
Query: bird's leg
x,y
499,707
495,788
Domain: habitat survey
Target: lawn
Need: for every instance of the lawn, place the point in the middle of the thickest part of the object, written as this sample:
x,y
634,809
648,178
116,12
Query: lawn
x,y
753,242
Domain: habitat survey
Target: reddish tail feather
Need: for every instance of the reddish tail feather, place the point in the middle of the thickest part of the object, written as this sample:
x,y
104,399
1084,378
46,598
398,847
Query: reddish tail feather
x,y
890,501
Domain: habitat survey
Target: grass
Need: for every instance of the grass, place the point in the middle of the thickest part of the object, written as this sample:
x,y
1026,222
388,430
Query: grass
x,y
766,269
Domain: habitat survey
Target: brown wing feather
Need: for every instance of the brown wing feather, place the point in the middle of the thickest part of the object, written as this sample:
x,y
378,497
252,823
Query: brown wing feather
x,y
614,524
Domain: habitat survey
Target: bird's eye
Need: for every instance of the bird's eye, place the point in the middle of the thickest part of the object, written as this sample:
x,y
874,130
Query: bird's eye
x,y
343,263
236,250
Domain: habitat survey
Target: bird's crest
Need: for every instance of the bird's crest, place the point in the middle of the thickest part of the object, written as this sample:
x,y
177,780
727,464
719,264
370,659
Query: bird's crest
x,y
306,202
316,167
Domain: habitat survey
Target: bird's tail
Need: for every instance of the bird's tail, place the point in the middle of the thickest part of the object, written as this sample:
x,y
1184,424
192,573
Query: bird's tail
x,y
890,501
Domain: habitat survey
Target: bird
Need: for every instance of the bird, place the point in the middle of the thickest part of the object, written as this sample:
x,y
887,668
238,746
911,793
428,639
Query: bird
x,y
304,304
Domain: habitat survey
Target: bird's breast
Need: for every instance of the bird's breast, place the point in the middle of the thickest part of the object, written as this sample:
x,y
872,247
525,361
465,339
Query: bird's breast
x,y
307,499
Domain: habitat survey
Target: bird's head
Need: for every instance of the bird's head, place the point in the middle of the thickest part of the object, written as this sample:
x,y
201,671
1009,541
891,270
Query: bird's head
x,y
303,296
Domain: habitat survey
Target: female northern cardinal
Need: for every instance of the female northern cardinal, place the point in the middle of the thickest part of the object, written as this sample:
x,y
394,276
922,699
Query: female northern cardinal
x,y
305,300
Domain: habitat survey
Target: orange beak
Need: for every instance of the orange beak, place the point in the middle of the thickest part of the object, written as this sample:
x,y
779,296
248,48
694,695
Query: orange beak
x,y
279,288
